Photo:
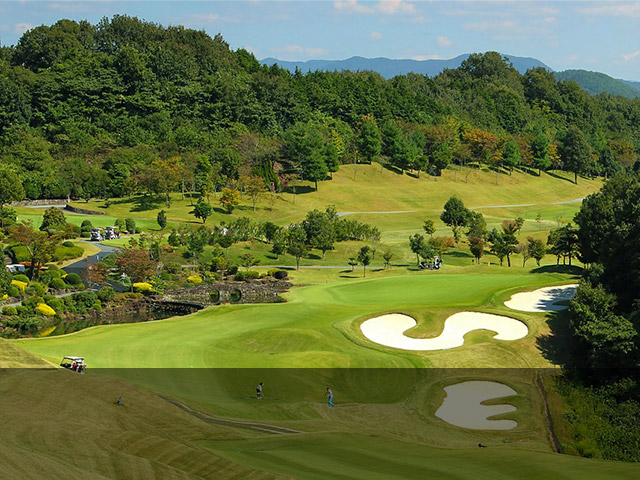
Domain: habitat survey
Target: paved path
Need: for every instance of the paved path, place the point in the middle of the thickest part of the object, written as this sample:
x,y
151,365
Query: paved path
x,y
565,202
257,427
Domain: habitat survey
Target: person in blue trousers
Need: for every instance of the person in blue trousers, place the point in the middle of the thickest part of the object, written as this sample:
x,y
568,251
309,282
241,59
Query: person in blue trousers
x,y
329,393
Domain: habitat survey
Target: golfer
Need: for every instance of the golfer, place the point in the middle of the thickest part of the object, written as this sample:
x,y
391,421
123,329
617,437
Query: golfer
x,y
329,393
259,391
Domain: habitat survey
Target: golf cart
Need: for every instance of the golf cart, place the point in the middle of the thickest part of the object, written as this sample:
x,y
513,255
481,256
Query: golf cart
x,y
74,363
96,235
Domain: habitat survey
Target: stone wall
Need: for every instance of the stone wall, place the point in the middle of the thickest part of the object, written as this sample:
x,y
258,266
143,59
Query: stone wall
x,y
229,292
82,211
38,203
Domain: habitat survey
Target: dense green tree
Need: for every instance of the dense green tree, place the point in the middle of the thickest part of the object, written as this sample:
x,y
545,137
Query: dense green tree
x,y
605,339
162,219
10,189
511,154
576,152
369,140
320,231
365,257
477,225
476,245
540,152
537,249
202,210
53,221
297,243
455,215
417,245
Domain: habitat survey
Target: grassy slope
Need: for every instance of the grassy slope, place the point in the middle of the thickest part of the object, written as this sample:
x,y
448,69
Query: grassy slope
x,y
72,428
361,188
392,414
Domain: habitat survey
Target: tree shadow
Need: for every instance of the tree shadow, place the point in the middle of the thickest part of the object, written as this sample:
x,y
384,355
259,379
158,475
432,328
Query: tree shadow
x,y
313,256
557,346
391,168
569,269
355,275
146,203
555,175
459,254
299,189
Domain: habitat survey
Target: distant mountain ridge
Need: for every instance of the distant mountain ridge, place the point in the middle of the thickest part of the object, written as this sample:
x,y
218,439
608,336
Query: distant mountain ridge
x,y
592,82
389,68
596,82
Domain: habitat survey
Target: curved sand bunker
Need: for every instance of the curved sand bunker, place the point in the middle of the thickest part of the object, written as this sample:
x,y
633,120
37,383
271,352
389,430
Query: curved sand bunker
x,y
543,299
463,407
389,330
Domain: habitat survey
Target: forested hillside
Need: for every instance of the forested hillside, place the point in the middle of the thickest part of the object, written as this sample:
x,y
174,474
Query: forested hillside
x,y
596,82
128,106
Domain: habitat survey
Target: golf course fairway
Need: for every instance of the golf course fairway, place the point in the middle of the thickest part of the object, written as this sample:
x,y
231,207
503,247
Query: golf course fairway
x,y
317,327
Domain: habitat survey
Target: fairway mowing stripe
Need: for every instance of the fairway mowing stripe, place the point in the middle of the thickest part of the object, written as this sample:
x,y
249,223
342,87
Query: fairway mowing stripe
x,y
259,427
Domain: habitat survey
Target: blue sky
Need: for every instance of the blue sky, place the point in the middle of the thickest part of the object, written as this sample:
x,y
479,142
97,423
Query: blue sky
x,y
594,35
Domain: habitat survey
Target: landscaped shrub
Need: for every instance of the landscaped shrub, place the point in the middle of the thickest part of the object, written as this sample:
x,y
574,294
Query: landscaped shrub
x,y
46,310
19,254
64,252
19,285
248,275
48,275
21,277
68,244
107,294
36,288
56,303
86,301
195,279
281,275
142,287
57,284
130,225
214,296
32,302
9,311
23,311
14,291
73,279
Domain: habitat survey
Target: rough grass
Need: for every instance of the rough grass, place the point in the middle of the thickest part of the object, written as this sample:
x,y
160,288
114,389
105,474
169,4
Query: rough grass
x,y
58,424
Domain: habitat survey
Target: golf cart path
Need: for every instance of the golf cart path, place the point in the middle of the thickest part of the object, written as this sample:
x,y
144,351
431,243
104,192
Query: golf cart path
x,y
564,202
256,427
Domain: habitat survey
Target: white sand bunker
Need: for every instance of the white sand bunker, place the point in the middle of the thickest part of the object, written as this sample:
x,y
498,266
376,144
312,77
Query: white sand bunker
x,y
389,330
543,299
463,407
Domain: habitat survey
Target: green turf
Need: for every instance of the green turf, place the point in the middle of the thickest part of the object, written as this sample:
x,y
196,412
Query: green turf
x,y
318,327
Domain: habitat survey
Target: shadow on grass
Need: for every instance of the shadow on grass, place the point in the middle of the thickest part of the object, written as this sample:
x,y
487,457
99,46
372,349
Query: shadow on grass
x,y
557,346
299,190
569,269
555,175
355,275
459,254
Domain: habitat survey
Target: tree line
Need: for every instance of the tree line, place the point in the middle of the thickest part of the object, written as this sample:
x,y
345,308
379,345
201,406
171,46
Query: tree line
x,y
129,107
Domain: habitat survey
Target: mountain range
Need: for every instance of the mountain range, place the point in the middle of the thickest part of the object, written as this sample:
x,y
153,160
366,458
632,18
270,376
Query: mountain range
x,y
592,82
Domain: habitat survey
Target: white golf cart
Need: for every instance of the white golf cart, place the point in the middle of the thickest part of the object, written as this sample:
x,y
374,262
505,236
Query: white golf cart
x,y
75,364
